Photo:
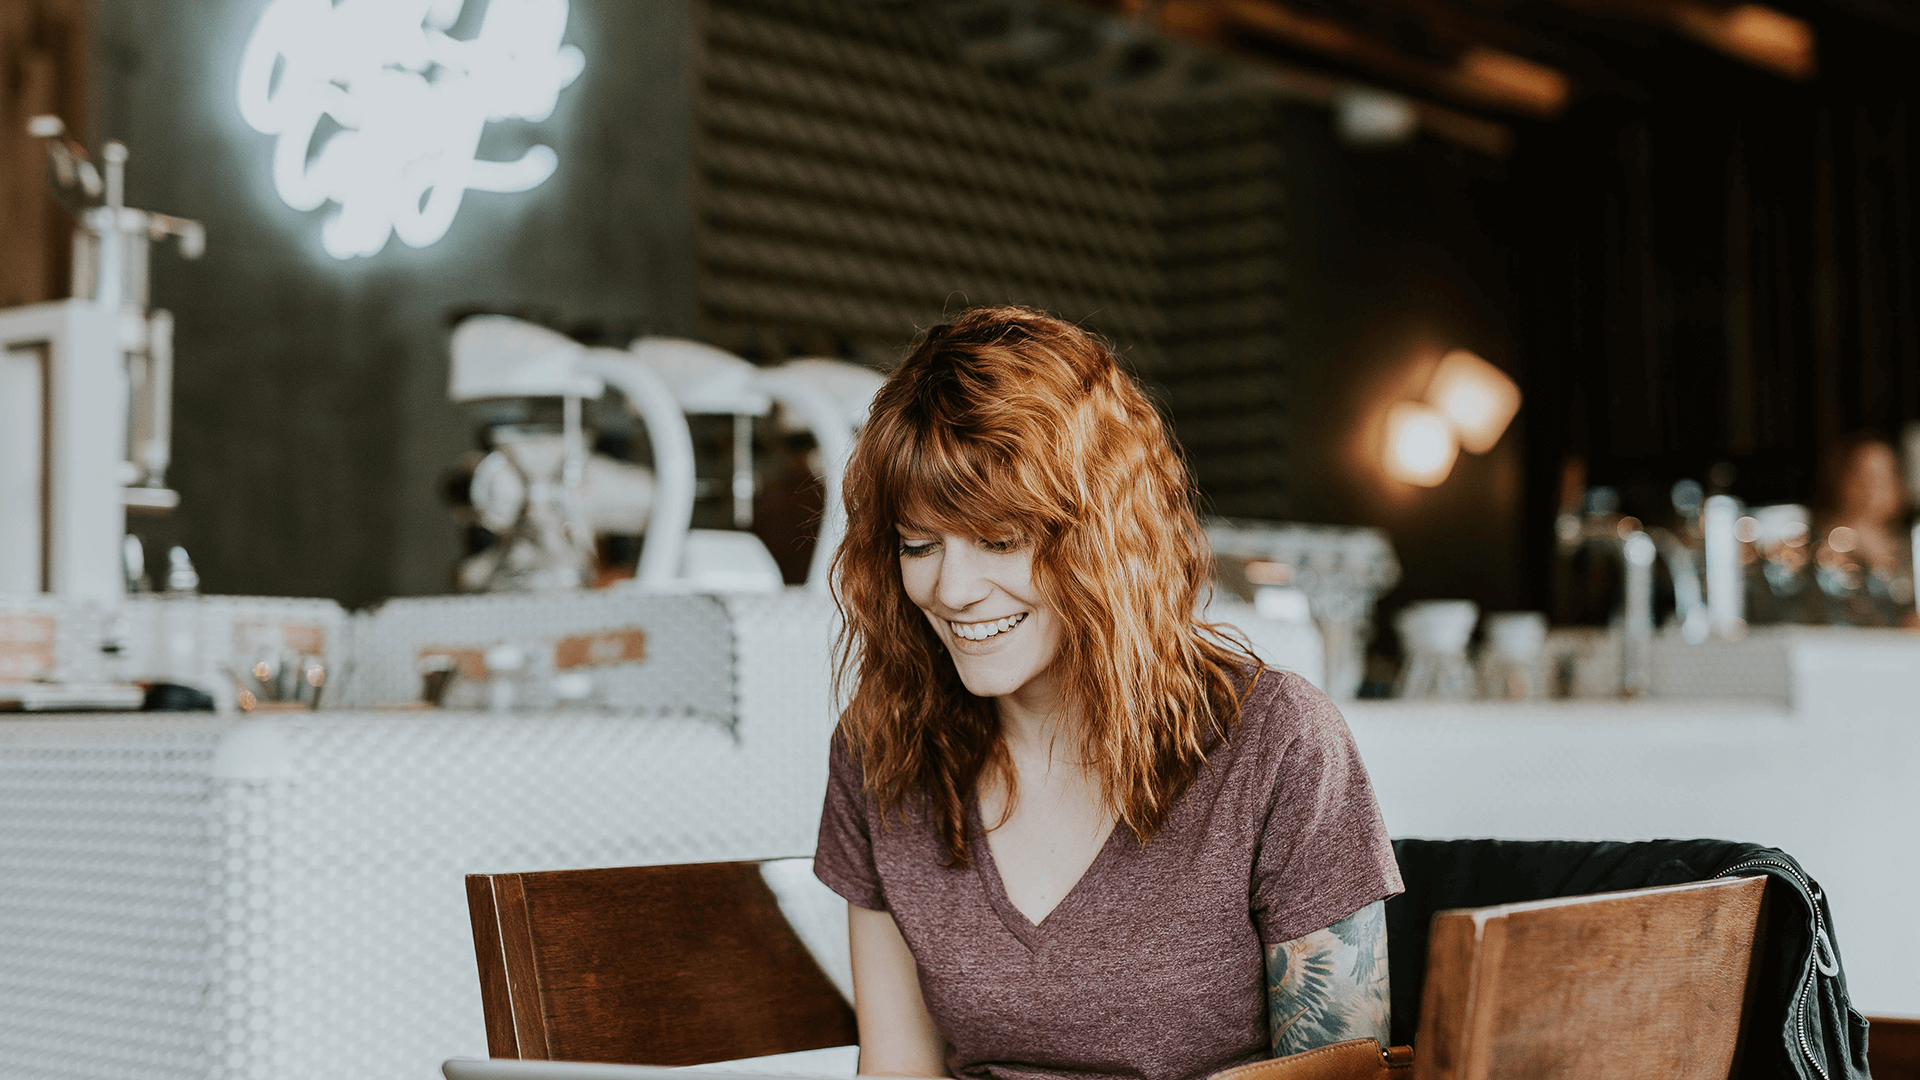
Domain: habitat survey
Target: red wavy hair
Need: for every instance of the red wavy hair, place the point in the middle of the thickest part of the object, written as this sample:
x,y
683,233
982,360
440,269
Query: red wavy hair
x,y
1007,422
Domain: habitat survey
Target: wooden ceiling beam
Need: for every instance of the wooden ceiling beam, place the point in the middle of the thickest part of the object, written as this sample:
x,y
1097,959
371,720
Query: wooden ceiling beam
x,y
1480,77
1756,34
1199,23
1467,25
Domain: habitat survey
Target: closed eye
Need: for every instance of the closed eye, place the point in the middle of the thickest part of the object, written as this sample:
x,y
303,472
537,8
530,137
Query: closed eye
x,y
913,549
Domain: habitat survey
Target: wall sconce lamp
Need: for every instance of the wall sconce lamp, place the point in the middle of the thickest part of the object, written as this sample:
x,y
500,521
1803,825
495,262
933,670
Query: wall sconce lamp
x,y
1468,406
1478,399
1421,445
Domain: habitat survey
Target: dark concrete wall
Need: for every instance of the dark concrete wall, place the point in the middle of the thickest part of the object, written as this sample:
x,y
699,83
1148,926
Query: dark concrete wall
x,y
312,420
1396,256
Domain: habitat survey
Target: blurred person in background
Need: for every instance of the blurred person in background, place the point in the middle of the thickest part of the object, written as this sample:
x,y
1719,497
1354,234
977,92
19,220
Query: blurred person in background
x,y
1863,554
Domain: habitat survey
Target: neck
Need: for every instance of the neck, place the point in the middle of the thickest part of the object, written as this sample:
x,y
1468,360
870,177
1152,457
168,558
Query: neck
x,y
1033,717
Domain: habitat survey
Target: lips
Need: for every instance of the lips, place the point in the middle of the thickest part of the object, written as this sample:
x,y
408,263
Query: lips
x,y
986,631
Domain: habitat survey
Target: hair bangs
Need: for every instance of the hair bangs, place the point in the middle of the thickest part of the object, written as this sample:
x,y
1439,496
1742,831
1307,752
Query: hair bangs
x,y
942,480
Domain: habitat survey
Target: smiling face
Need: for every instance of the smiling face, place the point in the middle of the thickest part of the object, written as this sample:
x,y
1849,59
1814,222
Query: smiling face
x,y
979,597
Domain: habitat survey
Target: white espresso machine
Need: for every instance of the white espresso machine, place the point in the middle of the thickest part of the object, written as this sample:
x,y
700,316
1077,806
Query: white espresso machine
x,y
86,387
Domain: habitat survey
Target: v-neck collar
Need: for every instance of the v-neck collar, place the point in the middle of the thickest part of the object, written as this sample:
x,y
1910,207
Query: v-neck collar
x,y
1032,935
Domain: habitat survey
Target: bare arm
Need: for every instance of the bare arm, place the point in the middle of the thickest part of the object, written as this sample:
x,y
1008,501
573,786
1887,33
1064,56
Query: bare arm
x,y
1331,985
897,1036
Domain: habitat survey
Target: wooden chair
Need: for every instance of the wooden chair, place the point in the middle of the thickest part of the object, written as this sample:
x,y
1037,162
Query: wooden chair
x,y
653,965
1893,1048
682,965
1652,982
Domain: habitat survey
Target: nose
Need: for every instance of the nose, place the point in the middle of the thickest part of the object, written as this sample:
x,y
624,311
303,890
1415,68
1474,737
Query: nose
x,y
962,581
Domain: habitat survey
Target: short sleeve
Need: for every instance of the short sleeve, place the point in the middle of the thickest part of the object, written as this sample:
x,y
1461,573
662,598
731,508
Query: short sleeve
x,y
843,857
1324,853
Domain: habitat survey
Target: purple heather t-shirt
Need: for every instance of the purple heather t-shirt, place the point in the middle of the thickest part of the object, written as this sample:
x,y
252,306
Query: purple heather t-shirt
x,y
1152,965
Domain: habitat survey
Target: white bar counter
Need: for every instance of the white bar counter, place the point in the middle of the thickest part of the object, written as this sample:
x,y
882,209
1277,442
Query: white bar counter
x,y
282,898
1832,777
184,897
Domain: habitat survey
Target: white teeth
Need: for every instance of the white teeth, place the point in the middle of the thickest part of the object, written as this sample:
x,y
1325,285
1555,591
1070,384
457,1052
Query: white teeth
x,y
983,630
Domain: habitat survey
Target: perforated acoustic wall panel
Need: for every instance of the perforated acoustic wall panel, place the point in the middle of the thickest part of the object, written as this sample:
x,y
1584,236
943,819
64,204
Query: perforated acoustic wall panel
x,y
1222,356
862,169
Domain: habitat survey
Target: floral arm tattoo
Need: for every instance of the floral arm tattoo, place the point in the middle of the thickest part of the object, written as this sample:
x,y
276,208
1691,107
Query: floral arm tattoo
x,y
1331,985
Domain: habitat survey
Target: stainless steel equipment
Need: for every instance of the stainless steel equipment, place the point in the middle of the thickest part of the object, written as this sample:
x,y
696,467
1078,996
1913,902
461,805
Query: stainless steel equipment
x,y
1637,548
86,388
547,495
1342,570
529,490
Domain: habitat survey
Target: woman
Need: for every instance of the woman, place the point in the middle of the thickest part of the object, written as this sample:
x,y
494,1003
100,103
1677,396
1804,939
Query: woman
x,y
1863,555
1078,831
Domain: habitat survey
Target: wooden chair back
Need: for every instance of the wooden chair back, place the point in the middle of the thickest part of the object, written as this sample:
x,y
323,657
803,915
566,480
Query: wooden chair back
x,y
1893,1047
647,965
1653,982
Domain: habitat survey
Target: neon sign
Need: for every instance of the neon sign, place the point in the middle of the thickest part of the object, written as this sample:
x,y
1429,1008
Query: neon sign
x,y
378,110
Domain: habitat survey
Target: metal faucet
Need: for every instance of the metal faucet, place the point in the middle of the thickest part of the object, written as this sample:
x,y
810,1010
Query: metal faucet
x,y
1637,549
1689,599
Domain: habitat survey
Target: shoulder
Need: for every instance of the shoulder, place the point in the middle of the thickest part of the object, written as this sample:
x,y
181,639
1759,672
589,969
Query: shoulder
x,y
1283,708
1290,735
840,751
846,777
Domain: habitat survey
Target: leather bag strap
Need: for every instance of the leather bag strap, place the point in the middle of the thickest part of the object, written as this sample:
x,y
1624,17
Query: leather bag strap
x,y
1355,1059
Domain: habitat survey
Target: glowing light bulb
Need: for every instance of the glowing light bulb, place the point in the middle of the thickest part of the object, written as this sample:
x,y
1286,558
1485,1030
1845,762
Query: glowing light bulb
x,y
379,111
1420,444
1478,399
